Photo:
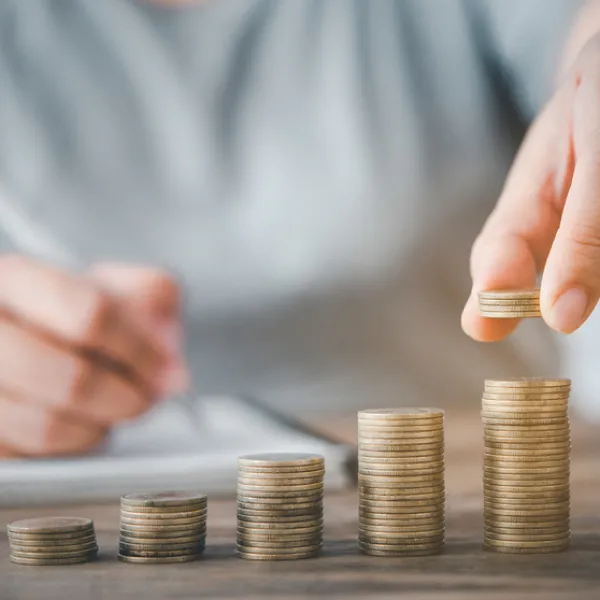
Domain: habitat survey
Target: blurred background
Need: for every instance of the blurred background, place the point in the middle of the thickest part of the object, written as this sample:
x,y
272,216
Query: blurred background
x,y
314,173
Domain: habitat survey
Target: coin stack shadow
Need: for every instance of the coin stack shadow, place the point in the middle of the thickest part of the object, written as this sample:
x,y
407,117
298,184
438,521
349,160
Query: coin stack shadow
x,y
401,481
52,541
511,304
526,465
164,527
280,506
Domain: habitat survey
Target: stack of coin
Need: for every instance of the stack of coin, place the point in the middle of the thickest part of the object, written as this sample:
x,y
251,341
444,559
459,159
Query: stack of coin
x,y
526,465
162,528
52,541
515,304
280,506
401,481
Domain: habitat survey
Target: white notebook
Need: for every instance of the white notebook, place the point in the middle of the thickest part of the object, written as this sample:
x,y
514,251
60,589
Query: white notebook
x,y
167,449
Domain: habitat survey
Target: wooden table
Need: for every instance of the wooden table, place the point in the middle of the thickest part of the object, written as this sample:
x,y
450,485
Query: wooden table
x,y
463,571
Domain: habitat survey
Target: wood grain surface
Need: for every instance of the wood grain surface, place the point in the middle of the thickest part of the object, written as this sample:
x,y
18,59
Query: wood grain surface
x,y
464,571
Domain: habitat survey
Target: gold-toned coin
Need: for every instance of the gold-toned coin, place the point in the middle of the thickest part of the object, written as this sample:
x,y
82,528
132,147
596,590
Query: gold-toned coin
x,y
541,466
400,413
513,550
53,550
497,513
152,542
276,520
533,294
560,453
400,549
278,534
288,492
515,414
401,460
177,523
295,525
401,537
512,397
512,460
404,491
50,542
48,562
390,428
526,537
275,550
533,499
172,517
269,503
416,512
527,422
558,529
401,526
523,522
244,479
51,525
528,431
155,560
300,473
142,546
407,480
512,314
283,544
554,482
85,554
535,448
514,475
168,530
499,506
524,544
164,499
162,532
282,459
527,382
525,407
405,437
395,450
126,551
312,513
433,500
395,473
270,557
395,457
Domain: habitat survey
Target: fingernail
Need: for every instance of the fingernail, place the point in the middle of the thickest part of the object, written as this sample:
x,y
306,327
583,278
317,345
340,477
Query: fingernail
x,y
569,310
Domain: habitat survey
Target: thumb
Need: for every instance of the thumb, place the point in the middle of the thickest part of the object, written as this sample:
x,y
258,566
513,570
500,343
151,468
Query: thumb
x,y
571,282
153,299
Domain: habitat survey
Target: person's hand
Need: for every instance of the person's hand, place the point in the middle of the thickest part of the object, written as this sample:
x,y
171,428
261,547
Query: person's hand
x,y
548,215
79,354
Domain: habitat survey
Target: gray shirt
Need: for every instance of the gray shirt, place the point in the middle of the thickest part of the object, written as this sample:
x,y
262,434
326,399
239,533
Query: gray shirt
x,y
313,171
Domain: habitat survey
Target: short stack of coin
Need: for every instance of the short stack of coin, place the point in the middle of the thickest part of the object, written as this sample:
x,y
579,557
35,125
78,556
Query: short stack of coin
x,y
164,527
52,541
515,304
401,481
280,506
526,465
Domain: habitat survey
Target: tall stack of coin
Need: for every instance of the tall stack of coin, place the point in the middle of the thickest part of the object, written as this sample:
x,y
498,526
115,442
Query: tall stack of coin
x,y
162,528
526,465
280,506
514,304
52,541
401,481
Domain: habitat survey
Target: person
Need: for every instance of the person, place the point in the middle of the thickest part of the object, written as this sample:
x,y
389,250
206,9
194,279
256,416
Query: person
x,y
305,177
